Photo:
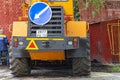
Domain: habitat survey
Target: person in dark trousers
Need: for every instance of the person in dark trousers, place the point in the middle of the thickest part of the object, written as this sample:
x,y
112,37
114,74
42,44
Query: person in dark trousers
x,y
3,47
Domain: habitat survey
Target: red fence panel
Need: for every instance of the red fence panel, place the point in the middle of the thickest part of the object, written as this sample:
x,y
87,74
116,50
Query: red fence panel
x,y
105,41
9,12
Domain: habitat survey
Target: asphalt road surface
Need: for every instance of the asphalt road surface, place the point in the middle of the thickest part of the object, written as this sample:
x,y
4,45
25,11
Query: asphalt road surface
x,y
56,75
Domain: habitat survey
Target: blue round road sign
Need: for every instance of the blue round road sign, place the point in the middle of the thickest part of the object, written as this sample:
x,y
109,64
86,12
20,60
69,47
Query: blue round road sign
x,y
40,13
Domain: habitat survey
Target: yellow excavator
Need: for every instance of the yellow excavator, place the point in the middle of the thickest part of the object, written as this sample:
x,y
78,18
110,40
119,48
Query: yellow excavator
x,y
47,33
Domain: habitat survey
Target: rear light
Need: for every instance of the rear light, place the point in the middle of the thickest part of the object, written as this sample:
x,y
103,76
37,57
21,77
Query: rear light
x,y
67,18
75,42
15,42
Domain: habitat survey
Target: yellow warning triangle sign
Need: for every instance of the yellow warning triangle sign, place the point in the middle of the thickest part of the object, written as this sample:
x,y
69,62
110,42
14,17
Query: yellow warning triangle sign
x,y
32,46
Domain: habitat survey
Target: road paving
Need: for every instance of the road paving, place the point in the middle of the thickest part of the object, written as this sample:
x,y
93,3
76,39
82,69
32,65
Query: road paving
x,y
5,74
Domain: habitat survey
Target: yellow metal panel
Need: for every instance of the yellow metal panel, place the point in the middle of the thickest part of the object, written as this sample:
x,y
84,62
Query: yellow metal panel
x,y
19,28
33,1
45,56
24,9
77,28
68,6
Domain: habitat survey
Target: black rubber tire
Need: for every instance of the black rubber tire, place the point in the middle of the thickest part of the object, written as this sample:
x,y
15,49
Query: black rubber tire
x,y
19,66
82,65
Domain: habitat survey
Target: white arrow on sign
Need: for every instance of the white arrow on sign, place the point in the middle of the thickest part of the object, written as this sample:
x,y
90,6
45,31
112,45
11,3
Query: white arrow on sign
x,y
41,12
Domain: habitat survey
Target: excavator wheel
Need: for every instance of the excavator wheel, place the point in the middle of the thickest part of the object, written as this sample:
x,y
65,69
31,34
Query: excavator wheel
x,y
19,66
82,65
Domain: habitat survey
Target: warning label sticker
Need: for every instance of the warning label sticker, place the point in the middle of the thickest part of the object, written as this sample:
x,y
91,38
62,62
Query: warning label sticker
x,y
32,46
